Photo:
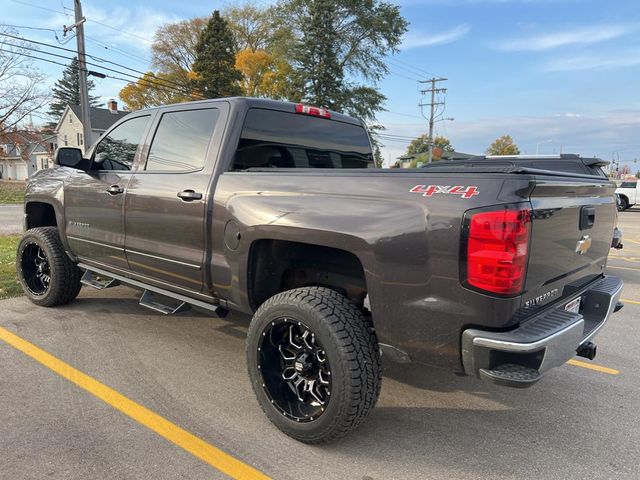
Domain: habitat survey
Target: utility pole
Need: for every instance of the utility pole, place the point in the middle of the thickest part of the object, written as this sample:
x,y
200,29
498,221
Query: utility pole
x,y
433,104
82,73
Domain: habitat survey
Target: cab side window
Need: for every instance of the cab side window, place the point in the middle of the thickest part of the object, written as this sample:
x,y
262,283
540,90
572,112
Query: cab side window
x,y
118,149
181,141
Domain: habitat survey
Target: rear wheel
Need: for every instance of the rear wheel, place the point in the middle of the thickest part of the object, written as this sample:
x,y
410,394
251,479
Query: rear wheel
x,y
47,275
314,363
623,204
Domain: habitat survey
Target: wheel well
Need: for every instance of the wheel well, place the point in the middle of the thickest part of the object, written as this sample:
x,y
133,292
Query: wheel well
x,y
40,215
279,265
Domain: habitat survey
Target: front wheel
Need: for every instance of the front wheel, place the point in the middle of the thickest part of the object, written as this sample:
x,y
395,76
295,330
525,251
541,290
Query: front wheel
x,y
47,275
314,363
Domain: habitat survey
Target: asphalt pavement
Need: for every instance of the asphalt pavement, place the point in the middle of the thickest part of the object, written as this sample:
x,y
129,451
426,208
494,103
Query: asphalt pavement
x,y
190,370
11,219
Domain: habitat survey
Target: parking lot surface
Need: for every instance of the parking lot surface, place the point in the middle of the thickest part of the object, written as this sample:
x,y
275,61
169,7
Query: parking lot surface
x,y
189,370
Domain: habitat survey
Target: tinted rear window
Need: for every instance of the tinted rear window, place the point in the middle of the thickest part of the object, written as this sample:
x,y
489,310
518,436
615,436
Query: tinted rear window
x,y
628,185
274,139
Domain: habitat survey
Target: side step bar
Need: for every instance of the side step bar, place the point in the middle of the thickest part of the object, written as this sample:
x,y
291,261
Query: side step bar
x,y
162,303
155,298
98,281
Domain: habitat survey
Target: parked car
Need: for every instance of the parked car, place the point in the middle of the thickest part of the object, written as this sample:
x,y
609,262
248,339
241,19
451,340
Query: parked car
x,y
274,209
628,193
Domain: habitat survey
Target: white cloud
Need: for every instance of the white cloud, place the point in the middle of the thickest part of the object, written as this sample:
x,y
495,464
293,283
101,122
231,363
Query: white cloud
x,y
416,39
121,26
599,61
577,36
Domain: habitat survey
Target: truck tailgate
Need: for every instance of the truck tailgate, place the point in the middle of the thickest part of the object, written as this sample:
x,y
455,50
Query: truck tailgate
x,y
571,233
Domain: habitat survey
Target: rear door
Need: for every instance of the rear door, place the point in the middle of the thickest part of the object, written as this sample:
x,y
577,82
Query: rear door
x,y
571,233
94,201
166,201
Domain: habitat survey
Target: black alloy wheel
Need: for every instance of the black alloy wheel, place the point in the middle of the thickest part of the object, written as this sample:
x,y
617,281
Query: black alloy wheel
x,y
46,273
36,270
314,363
295,370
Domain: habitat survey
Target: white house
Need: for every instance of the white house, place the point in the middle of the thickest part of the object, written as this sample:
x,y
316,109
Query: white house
x,y
24,152
69,128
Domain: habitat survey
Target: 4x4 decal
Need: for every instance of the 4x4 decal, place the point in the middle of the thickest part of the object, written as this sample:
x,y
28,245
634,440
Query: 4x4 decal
x,y
430,190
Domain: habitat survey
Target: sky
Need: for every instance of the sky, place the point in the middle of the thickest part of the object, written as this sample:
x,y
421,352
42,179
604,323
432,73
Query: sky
x,y
556,75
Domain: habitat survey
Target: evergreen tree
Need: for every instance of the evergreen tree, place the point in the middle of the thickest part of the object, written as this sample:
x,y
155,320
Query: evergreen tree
x,y
214,67
316,56
67,91
340,43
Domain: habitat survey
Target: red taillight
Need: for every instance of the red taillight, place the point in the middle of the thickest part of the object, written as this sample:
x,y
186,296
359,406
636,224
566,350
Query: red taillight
x,y
315,111
497,250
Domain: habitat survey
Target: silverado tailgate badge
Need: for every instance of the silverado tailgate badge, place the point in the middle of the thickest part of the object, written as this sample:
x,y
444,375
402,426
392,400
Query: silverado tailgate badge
x,y
583,245
429,190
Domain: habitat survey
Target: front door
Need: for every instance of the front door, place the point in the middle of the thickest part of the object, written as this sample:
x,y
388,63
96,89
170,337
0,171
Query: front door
x,y
94,201
166,199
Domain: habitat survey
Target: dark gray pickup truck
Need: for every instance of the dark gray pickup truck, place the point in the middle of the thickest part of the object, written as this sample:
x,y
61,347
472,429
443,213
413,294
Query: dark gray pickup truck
x,y
495,270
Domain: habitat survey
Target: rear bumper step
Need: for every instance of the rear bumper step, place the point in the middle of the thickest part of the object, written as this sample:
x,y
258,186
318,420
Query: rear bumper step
x,y
519,357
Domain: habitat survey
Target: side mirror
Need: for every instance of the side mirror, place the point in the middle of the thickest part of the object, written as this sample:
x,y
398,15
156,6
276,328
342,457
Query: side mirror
x,y
71,157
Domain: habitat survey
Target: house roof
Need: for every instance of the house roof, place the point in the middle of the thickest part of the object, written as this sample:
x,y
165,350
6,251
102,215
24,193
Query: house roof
x,y
101,118
29,141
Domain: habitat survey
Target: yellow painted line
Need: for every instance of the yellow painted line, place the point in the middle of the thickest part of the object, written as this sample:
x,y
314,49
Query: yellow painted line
x,y
206,452
630,301
593,366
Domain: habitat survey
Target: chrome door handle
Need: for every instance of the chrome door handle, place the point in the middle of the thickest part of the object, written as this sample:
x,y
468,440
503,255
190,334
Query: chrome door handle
x,y
115,190
190,195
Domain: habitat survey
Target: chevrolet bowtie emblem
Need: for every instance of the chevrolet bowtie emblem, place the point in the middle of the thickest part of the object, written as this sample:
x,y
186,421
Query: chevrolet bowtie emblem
x,y
583,245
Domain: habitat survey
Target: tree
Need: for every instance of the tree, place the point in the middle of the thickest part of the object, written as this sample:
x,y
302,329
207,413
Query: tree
x,y
214,65
378,159
338,44
147,91
421,145
66,91
173,50
264,75
20,95
503,146
443,143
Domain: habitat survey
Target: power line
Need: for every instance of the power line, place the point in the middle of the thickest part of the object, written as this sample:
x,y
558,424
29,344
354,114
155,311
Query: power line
x,y
402,114
119,50
418,70
169,83
413,79
143,82
152,82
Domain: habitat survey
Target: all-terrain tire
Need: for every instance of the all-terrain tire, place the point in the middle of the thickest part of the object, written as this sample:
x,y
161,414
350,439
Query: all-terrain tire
x,y
351,348
64,275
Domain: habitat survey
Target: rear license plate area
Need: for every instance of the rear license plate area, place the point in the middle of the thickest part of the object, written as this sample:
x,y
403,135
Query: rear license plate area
x,y
573,306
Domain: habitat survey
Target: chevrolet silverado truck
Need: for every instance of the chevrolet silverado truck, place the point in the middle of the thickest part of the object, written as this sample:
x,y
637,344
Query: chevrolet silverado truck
x,y
494,270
